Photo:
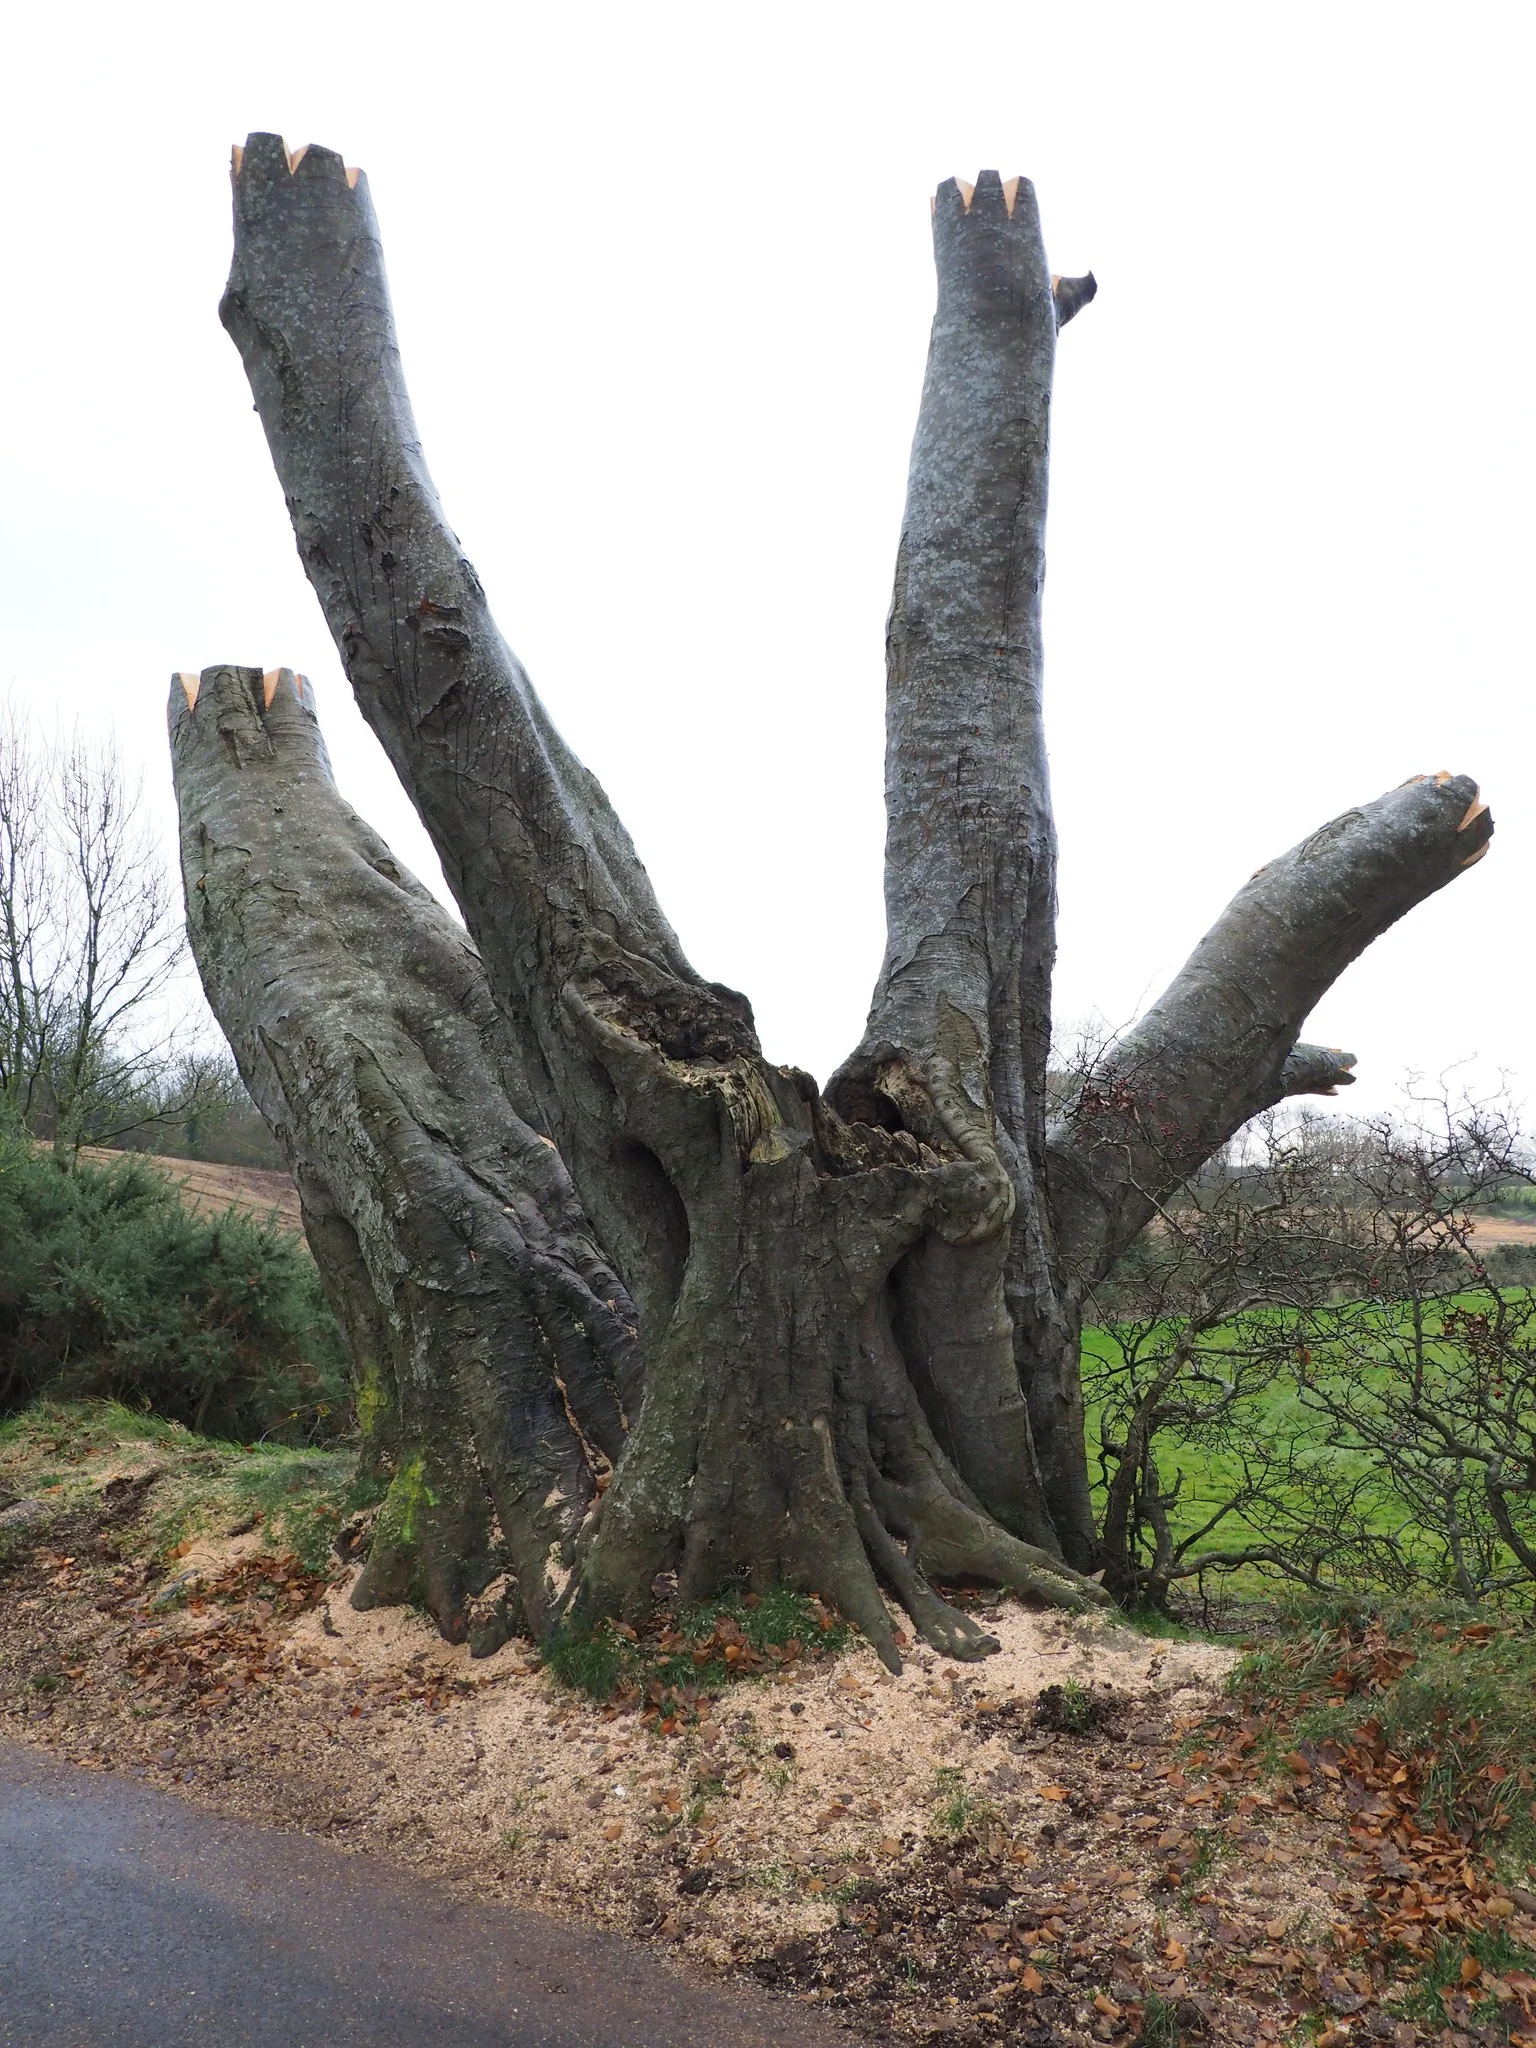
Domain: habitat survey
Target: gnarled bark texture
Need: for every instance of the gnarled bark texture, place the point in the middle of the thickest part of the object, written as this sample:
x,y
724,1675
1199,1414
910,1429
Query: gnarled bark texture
x,y
531,1159
494,1348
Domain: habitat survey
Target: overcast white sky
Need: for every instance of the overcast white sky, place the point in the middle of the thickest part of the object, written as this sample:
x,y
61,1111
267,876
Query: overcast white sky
x,y
663,281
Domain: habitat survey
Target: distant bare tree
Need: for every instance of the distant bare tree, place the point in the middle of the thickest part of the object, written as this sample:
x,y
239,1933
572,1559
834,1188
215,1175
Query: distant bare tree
x,y
1187,1369
1428,1378
195,1106
89,938
28,886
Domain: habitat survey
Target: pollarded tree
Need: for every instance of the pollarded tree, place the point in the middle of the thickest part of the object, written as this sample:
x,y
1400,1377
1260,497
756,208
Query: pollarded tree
x,y
624,1299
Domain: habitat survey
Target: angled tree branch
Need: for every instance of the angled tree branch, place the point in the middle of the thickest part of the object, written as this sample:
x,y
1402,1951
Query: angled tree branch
x,y
970,847
1072,294
1220,1044
549,883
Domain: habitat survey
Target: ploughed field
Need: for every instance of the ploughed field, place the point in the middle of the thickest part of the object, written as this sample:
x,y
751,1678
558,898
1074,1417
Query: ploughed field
x,y
209,1190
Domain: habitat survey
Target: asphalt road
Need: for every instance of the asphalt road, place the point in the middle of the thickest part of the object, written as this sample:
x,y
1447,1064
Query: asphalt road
x,y
129,1919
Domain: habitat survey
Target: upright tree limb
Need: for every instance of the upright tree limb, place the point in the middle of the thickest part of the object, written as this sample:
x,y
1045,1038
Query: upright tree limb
x,y
964,992
547,878
970,845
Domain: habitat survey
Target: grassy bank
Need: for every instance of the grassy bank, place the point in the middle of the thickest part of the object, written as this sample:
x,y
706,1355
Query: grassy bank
x,y
62,1457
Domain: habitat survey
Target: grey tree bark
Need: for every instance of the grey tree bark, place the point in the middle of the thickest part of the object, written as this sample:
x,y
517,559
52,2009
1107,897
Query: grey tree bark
x,y
858,1311
494,1348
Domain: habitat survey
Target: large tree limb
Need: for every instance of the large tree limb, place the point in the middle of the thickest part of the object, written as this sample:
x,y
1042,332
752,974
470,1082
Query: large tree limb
x,y
1220,1045
495,1349
963,995
549,883
970,847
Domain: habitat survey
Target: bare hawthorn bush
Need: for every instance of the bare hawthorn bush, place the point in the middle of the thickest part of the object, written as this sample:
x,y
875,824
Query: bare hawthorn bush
x,y
1428,1376
1206,1464
1316,1369
195,1106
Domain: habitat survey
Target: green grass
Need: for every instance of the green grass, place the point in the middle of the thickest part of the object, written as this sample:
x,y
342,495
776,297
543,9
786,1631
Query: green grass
x,y
954,1807
295,1498
1495,1951
1163,1628
80,1427
685,1654
1160,2026
1454,1693
1211,1847
1077,1711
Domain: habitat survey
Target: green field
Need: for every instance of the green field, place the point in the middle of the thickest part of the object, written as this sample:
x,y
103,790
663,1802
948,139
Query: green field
x,y
1275,1459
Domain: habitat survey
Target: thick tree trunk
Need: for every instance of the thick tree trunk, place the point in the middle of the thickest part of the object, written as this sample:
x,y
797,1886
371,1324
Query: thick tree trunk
x,y
495,1348
859,1313
777,1415
963,997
